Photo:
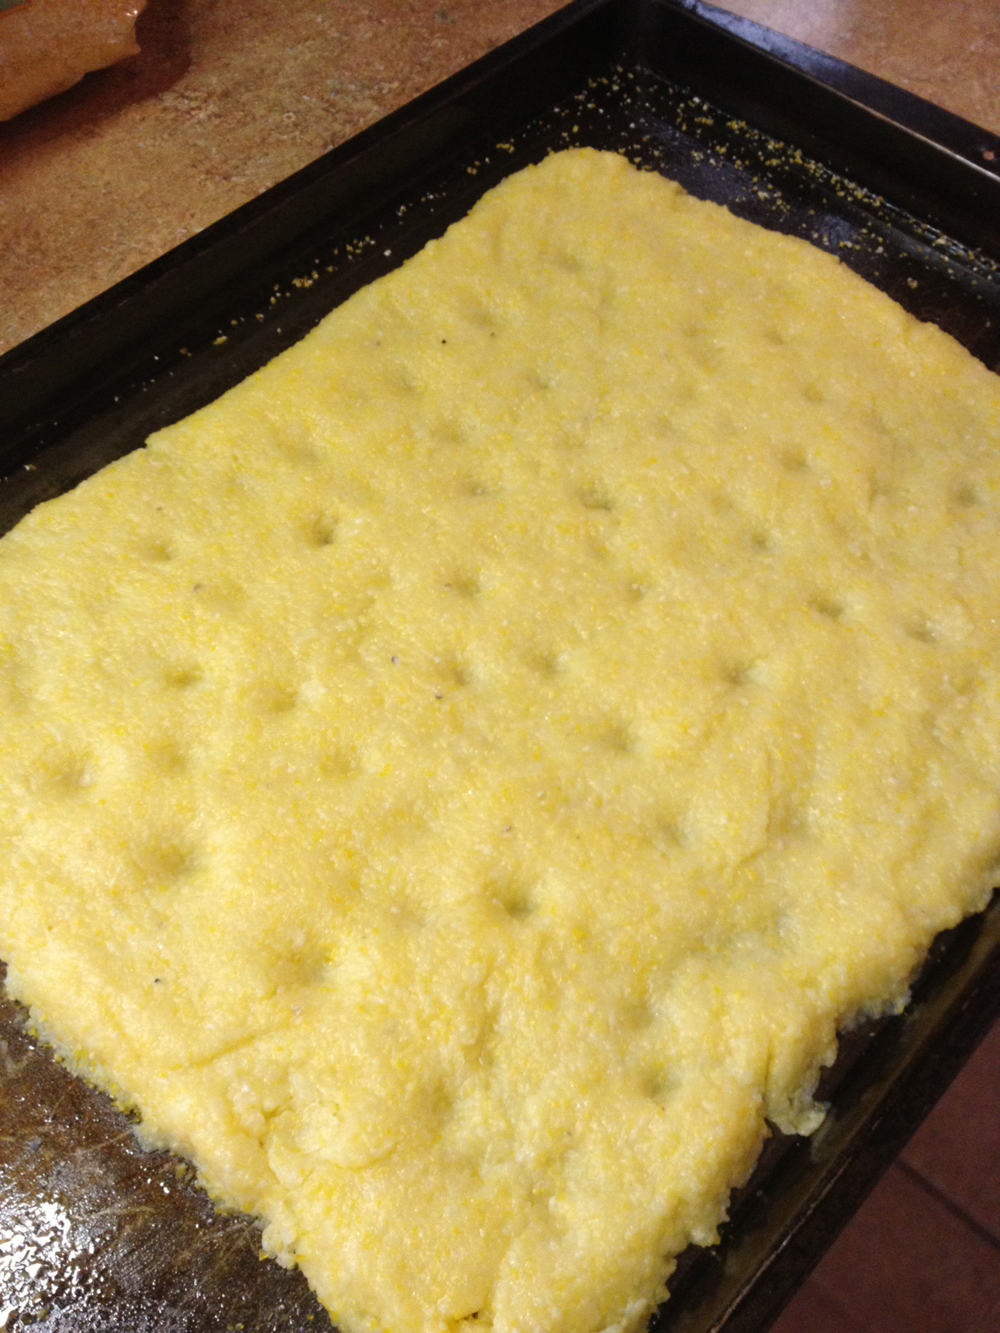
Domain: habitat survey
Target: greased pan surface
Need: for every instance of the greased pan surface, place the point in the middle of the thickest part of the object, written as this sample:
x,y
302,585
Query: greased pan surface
x,y
96,1234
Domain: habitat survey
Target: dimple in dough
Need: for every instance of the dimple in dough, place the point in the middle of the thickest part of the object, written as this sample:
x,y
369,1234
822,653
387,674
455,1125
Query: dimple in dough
x,y
456,784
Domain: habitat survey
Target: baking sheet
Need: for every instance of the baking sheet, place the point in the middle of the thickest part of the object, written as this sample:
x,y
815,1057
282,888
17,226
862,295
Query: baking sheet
x,y
96,1234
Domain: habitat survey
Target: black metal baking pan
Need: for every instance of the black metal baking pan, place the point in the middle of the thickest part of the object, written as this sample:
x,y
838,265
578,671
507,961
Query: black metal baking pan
x,y
98,1236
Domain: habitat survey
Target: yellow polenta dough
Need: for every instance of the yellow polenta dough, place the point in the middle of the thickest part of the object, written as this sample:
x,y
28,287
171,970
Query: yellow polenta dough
x,y
456,784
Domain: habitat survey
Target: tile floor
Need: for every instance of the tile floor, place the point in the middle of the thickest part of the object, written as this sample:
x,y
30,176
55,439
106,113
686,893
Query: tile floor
x,y
922,1255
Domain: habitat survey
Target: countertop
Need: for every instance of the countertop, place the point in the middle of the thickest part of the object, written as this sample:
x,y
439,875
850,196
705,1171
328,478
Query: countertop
x,y
229,96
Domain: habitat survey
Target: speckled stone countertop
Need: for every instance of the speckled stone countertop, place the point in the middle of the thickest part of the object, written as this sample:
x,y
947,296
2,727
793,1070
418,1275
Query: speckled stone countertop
x,y
229,96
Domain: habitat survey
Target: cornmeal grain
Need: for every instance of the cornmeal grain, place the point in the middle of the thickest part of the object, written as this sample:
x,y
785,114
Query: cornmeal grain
x,y
456,784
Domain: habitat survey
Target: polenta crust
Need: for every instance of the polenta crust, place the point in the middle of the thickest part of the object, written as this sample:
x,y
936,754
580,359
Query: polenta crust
x,y
456,784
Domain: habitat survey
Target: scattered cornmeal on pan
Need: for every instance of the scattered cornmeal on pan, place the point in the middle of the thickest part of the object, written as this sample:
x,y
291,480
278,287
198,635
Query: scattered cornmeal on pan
x,y
455,785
